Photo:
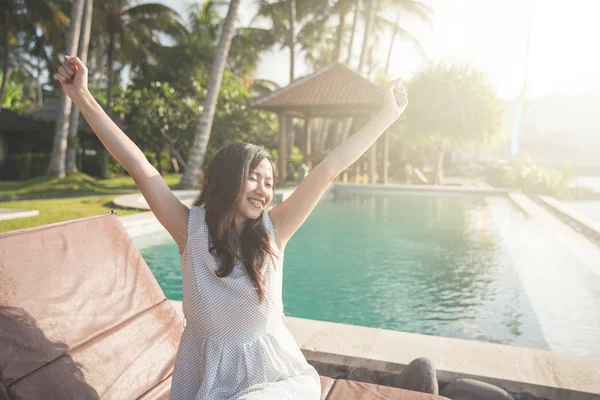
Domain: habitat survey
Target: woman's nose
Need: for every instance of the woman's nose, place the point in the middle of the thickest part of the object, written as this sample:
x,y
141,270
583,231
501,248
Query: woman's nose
x,y
261,189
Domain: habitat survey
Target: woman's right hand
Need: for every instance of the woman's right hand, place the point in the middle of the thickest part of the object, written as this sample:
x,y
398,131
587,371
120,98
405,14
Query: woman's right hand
x,y
73,77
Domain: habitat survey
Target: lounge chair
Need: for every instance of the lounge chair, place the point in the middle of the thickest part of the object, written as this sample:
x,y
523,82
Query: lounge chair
x,y
82,317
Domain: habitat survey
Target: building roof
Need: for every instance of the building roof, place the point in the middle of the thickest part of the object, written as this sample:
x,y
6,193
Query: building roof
x,y
13,122
48,112
332,91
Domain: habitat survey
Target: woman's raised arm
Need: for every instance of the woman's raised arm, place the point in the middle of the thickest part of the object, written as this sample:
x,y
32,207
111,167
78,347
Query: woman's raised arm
x,y
169,211
289,215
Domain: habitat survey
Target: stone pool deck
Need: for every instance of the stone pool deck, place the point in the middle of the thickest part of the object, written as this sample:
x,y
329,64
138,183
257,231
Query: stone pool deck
x,y
516,369
136,200
582,223
390,189
583,249
12,213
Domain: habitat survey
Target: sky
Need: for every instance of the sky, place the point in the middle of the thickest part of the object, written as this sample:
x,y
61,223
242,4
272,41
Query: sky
x,y
487,34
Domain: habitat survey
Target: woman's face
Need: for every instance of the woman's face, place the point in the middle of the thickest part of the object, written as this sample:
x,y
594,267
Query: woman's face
x,y
257,192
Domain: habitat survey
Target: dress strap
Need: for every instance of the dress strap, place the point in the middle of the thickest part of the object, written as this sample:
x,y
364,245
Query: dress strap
x,y
266,218
196,219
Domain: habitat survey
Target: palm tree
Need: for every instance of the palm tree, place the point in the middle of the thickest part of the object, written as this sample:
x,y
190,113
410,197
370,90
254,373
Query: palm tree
x,y
84,42
246,47
6,11
133,37
295,23
35,55
370,14
196,159
59,147
30,53
133,33
196,49
375,21
31,18
412,7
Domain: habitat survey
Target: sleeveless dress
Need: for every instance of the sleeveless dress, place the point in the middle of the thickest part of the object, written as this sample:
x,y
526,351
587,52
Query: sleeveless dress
x,y
233,347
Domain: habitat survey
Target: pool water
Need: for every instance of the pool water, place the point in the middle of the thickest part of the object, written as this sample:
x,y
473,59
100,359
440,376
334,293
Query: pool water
x,y
457,266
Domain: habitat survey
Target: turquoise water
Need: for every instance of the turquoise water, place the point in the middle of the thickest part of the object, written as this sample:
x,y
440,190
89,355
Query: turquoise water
x,y
466,267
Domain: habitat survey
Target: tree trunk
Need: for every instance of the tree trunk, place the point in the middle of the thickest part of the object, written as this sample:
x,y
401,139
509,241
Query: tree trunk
x,y
361,63
348,121
291,132
84,43
104,154
339,34
292,37
394,33
292,46
57,160
386,157
354,24
6,66
39,91
159,165
361,66
283,148
365,45
439,170
178,157
196,159
324,136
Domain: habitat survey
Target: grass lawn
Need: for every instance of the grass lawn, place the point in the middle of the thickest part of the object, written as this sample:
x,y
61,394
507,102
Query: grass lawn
x,y
95,197
82,196
73,185
56,210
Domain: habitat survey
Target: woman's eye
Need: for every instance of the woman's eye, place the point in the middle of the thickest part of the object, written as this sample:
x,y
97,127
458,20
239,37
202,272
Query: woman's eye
x,y
252,178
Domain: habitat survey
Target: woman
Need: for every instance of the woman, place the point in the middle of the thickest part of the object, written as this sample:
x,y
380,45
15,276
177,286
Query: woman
x,y
235,345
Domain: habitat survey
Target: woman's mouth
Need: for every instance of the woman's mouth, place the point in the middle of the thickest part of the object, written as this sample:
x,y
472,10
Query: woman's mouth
x,y
256,203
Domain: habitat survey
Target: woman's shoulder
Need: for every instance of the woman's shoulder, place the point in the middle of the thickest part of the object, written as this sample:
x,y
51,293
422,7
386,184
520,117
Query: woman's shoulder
x,y
197,209
196,219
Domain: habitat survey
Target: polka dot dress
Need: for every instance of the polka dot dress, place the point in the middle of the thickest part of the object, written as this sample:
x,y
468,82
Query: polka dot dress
x,y
234,347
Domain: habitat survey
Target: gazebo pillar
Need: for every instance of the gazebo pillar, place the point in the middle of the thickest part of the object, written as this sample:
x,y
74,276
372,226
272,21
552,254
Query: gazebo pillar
x,y
356,172
386,156
373,161
283,156
307,147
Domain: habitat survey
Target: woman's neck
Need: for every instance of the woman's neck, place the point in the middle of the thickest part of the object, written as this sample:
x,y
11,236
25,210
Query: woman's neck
x,y
240,223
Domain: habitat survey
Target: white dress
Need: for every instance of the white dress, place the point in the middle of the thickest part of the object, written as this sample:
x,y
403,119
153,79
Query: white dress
x,y
232,346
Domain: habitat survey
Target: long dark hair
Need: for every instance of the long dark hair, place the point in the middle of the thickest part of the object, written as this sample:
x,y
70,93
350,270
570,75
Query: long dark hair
x,y
224,182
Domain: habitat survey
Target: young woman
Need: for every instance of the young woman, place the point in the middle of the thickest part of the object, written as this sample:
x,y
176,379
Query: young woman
x,y
235,344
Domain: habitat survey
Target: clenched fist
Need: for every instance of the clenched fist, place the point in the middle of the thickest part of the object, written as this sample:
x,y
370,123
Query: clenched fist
x,y
395,99
73,77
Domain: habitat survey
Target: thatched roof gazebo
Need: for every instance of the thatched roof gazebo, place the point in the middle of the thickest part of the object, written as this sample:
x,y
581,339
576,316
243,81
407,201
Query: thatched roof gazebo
x,y
334,91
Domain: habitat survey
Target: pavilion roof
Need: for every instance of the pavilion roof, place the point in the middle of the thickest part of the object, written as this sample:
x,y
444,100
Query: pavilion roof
x,y
332,91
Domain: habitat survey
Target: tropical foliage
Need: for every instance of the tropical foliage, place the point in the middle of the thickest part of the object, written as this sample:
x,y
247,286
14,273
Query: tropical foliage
x,y
450,106
151,66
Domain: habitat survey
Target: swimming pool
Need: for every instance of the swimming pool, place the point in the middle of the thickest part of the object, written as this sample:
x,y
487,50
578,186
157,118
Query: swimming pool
x,y
471,267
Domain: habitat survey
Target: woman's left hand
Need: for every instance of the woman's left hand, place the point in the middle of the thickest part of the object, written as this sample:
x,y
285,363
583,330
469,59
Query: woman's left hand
x,y
394,99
